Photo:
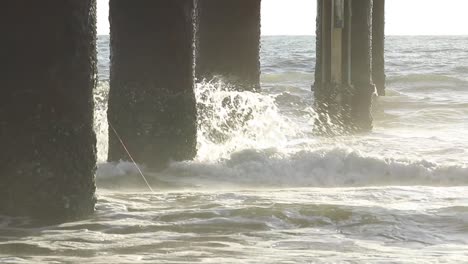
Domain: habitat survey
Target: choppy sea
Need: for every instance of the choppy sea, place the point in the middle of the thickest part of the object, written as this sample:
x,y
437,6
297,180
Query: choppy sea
x,y
272,192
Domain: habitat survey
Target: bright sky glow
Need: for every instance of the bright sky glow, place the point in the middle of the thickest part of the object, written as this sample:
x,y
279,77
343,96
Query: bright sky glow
x,y
404,17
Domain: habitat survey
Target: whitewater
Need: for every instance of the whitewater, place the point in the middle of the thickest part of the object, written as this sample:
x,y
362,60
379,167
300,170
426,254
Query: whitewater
x,y
264,189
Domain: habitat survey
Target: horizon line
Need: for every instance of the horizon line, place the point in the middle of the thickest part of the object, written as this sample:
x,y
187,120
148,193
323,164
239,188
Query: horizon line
x,y
390,35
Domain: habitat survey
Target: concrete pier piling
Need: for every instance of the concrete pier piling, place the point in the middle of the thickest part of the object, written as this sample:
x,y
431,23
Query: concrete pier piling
x,y
343,77
228,42
361,65
378,46
47,76
324,101
151,99
332,86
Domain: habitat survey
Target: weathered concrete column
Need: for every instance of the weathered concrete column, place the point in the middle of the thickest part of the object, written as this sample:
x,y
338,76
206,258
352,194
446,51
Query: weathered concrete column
x,y
228,41
361,61
319,43
332,72
151,100
378,45
47,76
343,79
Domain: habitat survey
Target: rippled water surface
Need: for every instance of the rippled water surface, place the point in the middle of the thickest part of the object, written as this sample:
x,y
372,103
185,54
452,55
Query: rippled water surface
x,y
268,191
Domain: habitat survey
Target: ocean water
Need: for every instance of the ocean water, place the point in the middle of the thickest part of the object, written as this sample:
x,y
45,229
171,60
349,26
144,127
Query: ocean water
x,y
269,191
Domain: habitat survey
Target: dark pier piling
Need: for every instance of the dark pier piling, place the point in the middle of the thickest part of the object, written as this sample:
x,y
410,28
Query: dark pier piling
x,y
47,76
151,100
378,45
343,77
228,42
361,65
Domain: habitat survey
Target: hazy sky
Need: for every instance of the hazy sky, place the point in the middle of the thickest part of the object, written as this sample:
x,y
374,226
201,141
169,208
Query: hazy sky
x,y
404,17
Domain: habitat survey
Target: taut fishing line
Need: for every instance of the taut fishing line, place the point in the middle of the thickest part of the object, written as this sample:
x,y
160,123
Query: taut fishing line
x,y
130,155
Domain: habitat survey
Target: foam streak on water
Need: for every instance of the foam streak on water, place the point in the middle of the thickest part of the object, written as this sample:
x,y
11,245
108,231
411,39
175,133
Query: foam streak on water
x,y
263,189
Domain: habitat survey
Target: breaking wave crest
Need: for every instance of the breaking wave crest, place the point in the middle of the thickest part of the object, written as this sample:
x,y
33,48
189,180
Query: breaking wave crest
x,y
246,141
229,121
337,167
101,127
